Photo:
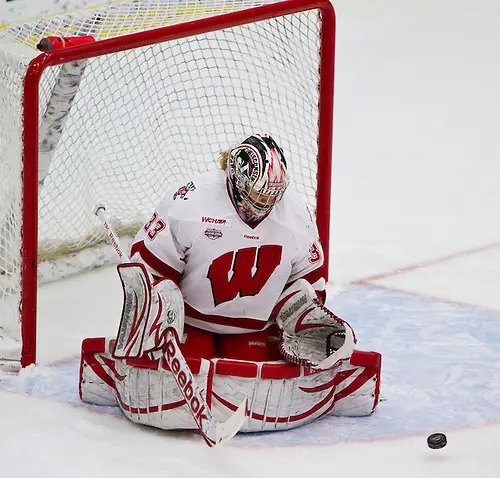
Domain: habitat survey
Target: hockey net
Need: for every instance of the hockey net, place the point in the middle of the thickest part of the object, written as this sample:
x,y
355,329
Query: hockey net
x,y
167,85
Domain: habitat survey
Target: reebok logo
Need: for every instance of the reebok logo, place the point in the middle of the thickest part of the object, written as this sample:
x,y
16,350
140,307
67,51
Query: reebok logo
x,y
248,236
184,379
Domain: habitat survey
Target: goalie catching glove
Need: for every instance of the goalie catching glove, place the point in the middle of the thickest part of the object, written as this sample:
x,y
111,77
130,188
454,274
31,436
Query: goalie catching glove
x,y
149,310
312,335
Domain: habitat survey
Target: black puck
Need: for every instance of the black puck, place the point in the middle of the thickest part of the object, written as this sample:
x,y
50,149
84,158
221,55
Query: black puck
x,y
437,441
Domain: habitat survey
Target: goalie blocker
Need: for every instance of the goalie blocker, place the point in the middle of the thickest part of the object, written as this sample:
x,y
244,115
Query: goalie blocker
x,y
279,395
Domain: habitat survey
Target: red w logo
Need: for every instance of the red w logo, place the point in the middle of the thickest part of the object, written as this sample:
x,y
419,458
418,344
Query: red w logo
x,y
242,281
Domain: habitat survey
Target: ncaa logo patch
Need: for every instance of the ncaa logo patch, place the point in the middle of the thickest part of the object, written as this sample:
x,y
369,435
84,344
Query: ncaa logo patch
x,y
213,234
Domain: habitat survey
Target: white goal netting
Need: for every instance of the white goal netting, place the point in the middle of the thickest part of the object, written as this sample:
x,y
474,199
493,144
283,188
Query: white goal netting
x,y
142,120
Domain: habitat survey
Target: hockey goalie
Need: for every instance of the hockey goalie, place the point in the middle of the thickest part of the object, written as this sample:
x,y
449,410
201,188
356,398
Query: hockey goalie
x,y
224,312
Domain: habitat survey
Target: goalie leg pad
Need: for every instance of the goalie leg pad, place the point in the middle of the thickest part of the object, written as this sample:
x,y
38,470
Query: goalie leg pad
x,y
149,395
99,368
144,389
312,335
97,372
359,394
281,395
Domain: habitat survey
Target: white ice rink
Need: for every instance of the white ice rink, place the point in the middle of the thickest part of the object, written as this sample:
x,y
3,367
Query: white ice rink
x,y
415,268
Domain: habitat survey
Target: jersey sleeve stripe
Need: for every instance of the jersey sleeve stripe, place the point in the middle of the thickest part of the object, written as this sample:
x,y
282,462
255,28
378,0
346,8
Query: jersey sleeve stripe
x,y
161,268
238,322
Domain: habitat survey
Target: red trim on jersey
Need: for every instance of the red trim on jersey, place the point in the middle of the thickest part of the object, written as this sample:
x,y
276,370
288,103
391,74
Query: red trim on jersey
x,y
163,269
239,322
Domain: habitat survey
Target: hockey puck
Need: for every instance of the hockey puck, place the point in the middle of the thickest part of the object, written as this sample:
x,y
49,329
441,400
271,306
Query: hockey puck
x,y
437,441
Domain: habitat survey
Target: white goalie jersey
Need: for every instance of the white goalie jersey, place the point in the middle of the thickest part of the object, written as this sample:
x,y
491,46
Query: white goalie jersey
x,y
230,273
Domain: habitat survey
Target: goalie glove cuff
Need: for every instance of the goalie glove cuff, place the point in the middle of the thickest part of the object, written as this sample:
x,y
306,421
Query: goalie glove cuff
x,y
311,335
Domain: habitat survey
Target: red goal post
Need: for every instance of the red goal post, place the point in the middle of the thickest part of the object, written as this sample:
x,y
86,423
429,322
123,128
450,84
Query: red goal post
x,y
158,94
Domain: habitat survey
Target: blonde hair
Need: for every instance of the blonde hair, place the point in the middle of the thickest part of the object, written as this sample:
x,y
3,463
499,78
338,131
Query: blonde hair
x,y
223,159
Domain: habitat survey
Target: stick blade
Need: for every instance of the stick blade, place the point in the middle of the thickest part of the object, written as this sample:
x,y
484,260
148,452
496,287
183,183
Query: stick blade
x,y
226,430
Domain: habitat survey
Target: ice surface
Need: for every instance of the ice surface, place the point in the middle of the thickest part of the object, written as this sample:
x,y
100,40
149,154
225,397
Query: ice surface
x,y
415,268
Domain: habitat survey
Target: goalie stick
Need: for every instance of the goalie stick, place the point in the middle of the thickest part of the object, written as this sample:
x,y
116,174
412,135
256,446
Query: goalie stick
x,y
213,432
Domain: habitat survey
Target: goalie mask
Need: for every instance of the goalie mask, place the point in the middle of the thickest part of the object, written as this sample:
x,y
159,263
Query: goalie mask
x,y
257,177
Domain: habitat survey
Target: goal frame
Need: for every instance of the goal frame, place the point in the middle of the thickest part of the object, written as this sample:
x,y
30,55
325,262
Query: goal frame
x,y
30,113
